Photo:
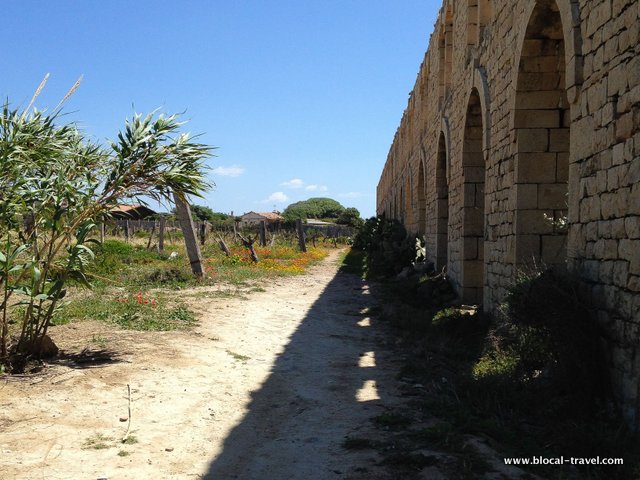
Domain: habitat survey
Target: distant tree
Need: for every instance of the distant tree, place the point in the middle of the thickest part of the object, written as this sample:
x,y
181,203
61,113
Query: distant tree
x,y
318,207
350,216
202,213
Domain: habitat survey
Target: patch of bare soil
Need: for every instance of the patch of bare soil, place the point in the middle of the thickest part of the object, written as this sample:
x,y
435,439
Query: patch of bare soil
x,y
264,388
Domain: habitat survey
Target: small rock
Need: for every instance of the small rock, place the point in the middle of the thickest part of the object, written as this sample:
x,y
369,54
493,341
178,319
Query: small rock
x,y
168,449
124,419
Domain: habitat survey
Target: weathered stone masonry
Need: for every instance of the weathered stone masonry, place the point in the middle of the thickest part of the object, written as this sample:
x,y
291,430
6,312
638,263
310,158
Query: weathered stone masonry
x,y
519,146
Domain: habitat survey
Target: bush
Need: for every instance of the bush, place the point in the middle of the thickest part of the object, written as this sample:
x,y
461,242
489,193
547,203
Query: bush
x,y
555,337
387,245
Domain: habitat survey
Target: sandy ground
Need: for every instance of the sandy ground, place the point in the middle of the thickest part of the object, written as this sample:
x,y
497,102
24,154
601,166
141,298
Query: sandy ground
x,y
266,387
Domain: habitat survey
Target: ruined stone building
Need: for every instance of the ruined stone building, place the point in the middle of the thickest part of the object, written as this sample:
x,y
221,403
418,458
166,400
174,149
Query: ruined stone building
x,y
520,146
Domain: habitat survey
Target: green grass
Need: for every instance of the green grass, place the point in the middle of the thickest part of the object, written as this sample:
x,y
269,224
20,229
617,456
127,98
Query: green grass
x,y
353,261
129,311
130,440
97,442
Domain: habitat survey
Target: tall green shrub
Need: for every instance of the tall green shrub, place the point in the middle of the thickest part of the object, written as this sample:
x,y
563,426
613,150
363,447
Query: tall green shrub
x,y
55,185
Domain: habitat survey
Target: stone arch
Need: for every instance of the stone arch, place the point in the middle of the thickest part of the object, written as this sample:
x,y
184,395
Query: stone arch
x,y
473,202
481,86
446,133
569,11
442,203
541,121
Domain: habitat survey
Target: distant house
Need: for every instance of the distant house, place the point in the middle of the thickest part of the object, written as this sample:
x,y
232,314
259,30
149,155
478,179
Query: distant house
x,y
131,212
254,218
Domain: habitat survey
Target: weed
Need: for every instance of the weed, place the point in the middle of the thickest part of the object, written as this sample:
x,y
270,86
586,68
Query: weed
x,y
123,453
99,340
130,440
97,442
239,357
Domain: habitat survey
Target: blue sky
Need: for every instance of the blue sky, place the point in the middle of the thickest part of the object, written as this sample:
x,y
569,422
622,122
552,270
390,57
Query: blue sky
x,y
302,98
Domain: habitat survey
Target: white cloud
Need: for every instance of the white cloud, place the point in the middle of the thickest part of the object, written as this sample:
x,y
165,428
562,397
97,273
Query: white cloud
x,y
351,195
293,183
316,188
277,197
232,171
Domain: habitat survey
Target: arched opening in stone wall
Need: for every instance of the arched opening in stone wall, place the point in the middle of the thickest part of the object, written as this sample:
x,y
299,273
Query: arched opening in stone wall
x,y
473,204
542,121
442,205
422,201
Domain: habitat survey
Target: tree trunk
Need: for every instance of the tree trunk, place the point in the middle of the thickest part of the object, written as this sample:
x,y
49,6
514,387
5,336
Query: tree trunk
x,y
301,239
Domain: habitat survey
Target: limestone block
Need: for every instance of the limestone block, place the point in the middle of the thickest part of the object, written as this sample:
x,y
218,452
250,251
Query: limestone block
x,y
559,140
532,140
534,222
629,249
621,273
562,167
470,248
590,231
617,154
473,273
605,274
625,126
606,249
598,16
532,118
617,80
539,100
536,168
552,196
554,249
632,227
617,228
582,138
527,196
596,96
616,204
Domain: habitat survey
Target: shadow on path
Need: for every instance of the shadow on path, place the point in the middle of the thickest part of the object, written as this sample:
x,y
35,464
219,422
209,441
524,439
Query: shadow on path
x,y
330,379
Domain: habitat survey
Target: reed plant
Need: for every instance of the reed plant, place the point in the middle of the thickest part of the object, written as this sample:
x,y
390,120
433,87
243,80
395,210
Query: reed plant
x,y
55,186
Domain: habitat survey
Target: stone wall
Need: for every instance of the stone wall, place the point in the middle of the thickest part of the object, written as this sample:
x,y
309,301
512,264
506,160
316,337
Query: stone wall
x,y
520,148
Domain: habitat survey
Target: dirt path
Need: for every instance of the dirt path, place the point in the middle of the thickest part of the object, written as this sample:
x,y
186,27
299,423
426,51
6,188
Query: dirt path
x,y
264,388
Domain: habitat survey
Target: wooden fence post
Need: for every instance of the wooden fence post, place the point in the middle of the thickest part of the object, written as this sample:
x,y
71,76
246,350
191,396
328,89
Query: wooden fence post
x,y
102,231
224,247
301,240
263,233
203,233
126,231
161,235
188,230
